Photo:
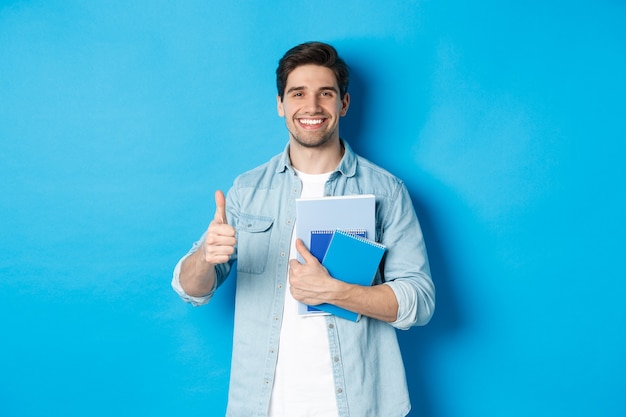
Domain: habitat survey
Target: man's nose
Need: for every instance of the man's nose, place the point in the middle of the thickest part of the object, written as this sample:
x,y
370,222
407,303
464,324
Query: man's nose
x,y
313,104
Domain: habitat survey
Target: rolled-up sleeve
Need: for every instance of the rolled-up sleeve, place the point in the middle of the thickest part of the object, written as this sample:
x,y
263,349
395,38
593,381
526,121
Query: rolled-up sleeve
x,y
195,301
416,304
406,268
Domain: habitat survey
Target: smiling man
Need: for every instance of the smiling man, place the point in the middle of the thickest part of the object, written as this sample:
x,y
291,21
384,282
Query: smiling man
x,y
312,106
284,364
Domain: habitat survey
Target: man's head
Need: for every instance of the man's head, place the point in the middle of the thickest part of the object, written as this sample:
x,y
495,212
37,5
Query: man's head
x,y
312,81
312,53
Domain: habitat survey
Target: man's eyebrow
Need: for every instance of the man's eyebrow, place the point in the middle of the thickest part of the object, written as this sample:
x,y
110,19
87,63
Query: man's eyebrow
x,y
331,88
303,88
297,88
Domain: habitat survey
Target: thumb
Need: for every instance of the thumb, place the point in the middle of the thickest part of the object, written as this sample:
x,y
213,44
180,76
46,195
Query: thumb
x,y
304,252
220,208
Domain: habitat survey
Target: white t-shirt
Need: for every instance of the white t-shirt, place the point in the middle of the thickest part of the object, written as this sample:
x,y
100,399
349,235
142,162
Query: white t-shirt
x,y
303,382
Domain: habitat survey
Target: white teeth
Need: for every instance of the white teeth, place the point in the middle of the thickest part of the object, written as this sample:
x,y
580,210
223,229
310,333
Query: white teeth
x,y
311,121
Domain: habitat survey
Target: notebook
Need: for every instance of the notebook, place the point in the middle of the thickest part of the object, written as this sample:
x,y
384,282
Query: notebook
x,y
352,259
350,212
320,239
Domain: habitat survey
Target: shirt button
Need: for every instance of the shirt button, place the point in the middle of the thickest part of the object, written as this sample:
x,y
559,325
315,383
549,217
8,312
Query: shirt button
x,y
282,254
336,358
339,390
331,326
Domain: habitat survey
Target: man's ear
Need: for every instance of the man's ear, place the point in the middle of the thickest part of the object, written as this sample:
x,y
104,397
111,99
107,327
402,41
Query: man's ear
x,y
279,106
345,103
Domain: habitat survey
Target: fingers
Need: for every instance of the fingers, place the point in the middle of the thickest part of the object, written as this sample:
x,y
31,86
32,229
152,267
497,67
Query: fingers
x,y
310,264
304,252
220,208
219,243
219,225
220,240
218,253
309,281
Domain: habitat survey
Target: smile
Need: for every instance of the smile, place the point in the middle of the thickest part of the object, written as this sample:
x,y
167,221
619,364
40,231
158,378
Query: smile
x,y
311,122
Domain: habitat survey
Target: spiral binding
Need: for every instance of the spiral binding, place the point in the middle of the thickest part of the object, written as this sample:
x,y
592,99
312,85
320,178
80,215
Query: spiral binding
x,y
362,233
371,242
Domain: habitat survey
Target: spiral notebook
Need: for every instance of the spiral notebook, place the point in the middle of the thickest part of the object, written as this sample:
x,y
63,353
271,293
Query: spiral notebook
x,y
348,212
320,239
351,259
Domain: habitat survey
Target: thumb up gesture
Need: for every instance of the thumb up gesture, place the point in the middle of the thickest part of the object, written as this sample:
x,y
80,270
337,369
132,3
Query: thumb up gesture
x,y
220,240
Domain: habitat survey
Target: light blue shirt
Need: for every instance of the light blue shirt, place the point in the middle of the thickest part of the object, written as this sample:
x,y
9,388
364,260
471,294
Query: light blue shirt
x,y
368,370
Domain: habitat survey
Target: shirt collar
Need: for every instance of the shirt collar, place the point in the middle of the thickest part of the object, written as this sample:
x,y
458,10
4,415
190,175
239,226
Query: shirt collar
x,y
347,165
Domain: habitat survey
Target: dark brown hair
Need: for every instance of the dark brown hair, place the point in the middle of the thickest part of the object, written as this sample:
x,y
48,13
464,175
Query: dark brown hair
x,y
317,53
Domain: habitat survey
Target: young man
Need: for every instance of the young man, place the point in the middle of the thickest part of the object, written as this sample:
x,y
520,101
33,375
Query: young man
x,y
284,364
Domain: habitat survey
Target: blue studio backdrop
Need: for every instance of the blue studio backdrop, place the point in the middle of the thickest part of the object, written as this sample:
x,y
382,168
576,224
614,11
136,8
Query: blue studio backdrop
x,y
119,120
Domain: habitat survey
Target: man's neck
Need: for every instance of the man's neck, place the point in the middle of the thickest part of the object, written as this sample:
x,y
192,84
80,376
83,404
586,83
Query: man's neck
x,y
317,160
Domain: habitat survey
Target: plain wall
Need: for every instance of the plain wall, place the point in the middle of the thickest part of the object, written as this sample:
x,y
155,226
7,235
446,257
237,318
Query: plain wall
x,y
119,119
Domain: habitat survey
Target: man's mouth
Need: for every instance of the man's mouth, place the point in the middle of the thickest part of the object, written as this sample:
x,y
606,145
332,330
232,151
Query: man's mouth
x,y
311,122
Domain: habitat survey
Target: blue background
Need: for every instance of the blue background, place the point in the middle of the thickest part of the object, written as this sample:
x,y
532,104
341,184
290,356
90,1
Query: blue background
x,y
119,119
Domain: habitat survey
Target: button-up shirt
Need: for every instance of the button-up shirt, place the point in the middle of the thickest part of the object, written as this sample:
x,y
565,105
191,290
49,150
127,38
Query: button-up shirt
x,y
368,371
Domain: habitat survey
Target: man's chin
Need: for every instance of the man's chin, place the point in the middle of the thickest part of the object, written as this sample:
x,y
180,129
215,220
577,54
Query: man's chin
x,y
312,141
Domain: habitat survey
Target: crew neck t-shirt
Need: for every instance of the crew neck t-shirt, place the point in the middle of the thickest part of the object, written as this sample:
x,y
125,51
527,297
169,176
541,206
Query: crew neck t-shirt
x,y
303,382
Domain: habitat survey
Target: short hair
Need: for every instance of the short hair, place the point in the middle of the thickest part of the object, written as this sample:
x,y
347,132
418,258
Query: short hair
x,y
316,53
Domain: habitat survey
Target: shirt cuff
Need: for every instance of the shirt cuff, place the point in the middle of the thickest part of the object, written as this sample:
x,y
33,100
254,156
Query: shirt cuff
x,y
407,304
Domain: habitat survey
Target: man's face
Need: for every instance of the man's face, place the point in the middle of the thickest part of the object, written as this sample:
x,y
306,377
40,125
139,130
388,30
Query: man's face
x,y
311,106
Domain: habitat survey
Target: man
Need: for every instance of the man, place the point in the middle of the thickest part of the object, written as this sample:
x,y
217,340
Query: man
x,y
284,364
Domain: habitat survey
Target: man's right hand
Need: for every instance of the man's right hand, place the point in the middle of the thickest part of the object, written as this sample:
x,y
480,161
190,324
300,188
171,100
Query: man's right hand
x,y
220,240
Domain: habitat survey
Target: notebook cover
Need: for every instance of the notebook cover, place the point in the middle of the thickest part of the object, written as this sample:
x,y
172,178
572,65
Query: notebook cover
x,y
354,260
320,239
335,213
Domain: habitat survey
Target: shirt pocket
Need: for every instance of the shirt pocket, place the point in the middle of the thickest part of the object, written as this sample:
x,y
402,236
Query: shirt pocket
x,y
253,243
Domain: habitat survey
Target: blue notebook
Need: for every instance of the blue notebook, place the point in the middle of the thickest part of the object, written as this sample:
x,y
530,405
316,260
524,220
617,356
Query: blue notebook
x,y
351,259
320,239
350,212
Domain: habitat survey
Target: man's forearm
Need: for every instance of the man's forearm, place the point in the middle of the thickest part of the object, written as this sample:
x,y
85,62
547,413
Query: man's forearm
x,y
378,302
197,276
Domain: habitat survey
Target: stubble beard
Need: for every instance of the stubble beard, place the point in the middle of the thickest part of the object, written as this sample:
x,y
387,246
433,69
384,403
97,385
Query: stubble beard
x,y
312,142
311,139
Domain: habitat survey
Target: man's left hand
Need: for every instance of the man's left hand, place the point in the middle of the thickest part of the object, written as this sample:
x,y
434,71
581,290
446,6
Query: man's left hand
x,y
310,282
